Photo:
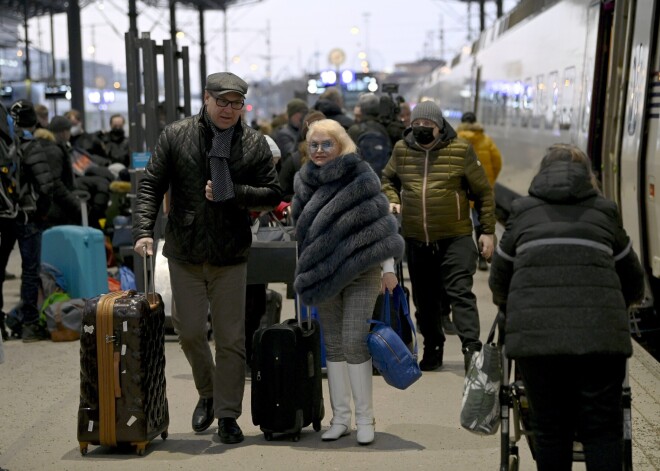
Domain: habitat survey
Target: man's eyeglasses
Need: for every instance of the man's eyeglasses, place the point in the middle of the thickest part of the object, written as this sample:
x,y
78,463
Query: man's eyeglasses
x,y
325,146
222,103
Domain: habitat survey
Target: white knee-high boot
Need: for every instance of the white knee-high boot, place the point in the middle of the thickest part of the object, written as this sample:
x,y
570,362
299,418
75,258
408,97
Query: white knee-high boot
x,y
340,400
361,377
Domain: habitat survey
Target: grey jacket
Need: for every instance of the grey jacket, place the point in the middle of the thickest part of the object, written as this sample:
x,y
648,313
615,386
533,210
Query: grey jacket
x,y
343,226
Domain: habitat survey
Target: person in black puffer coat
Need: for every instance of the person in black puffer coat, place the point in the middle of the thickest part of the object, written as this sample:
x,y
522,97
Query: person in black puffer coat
x,y
347,241
66,206
565,273
36,192
207,240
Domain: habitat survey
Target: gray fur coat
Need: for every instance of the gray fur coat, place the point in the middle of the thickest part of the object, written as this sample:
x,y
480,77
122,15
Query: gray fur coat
x,y
343,226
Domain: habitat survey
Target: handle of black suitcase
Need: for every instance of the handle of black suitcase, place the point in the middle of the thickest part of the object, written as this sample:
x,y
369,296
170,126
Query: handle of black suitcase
x,y
297,304
145,255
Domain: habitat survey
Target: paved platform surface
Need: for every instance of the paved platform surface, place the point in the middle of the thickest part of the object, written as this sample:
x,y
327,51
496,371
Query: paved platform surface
x,y
416,429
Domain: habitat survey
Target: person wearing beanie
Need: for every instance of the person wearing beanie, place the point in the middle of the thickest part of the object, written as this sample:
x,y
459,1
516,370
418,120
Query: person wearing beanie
x,y
489,156
427,181
287,136
217,169
26,227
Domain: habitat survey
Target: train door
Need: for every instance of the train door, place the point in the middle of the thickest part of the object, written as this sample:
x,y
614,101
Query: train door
x,y
652,166
637,208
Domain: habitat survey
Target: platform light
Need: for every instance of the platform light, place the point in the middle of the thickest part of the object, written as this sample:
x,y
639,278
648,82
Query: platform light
x,y
180,35
312,87
329,77
347,76
373,85
116,85
94,97
355,30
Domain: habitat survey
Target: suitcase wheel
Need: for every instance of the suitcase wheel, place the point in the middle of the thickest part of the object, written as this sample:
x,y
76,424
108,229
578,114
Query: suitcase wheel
x,y
164,435
83,448
317,425
268,436
296,437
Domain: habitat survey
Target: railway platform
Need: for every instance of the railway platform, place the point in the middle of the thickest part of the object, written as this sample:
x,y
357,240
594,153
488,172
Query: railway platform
x,y
416,429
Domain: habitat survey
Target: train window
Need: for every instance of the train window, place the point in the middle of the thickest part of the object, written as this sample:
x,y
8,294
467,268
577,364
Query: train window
x,y
552,98
567,95
539,110
527,102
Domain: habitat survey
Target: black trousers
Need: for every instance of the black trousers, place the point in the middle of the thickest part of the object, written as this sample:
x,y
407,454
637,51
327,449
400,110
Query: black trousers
x,y
575,397
442,269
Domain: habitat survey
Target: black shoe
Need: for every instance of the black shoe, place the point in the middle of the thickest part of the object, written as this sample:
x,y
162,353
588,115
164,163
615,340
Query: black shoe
x,y
432,359
482,264
448,326
15,325
229,431
3,329
203,414
34,332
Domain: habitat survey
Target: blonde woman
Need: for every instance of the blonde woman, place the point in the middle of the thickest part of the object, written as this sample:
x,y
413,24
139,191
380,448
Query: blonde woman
x,y
347,243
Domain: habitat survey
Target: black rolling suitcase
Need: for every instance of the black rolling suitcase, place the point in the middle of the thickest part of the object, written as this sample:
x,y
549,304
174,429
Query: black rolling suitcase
x,y
122,378
286,378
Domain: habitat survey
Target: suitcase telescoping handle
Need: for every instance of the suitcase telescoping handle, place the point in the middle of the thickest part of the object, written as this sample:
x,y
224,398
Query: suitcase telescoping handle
x,y
151,299
299,301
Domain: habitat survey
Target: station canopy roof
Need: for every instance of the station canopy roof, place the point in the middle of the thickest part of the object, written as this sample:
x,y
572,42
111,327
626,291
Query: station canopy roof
x,y
16,8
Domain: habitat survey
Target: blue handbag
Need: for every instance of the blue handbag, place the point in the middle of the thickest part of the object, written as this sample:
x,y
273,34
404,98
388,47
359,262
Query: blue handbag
x,y
390,355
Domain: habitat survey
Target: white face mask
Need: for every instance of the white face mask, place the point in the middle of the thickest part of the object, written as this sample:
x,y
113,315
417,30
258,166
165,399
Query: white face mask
x,y
76,130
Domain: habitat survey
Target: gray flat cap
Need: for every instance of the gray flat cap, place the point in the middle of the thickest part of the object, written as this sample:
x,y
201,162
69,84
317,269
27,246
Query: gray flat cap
x,y
226,82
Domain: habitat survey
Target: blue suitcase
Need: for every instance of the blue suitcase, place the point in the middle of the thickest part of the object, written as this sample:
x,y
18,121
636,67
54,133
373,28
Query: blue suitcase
x,y
79,253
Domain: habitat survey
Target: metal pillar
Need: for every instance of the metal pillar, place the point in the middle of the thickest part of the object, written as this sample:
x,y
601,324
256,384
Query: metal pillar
x,y
28,74
202,48
173,22
75,57
132,18
144,108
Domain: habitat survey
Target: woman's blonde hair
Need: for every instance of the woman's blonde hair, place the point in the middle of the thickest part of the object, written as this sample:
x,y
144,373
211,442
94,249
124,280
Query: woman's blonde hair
x,y
335,131
570,153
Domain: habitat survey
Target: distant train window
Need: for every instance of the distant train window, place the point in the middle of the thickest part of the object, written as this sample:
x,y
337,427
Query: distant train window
x,y
539,109
529,91
567,92
552,98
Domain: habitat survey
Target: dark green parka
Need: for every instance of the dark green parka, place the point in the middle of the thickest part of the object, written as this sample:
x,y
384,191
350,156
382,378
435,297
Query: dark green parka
x,y
434,187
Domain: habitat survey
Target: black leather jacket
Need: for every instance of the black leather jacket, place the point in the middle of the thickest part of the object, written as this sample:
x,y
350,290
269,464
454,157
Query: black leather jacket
x,y
199,230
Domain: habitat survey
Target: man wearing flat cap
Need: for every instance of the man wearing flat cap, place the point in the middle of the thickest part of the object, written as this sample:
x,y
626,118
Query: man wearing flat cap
x,y
427,180
208,238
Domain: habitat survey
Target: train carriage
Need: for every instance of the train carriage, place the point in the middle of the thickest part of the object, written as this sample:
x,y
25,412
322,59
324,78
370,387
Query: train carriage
x,y
583,72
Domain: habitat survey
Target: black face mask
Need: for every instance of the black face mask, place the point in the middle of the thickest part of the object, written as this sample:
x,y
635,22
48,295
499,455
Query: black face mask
x,y
423,134
117,134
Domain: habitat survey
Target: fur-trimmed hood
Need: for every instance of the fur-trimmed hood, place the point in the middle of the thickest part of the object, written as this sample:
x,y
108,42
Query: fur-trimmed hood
x,y
343,226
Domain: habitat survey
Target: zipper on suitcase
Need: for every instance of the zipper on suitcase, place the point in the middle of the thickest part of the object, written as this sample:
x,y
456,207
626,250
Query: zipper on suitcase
x,y
107,370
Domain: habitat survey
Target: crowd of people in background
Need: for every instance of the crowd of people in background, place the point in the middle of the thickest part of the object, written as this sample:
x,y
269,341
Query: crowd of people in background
x,y
63,169
327,164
